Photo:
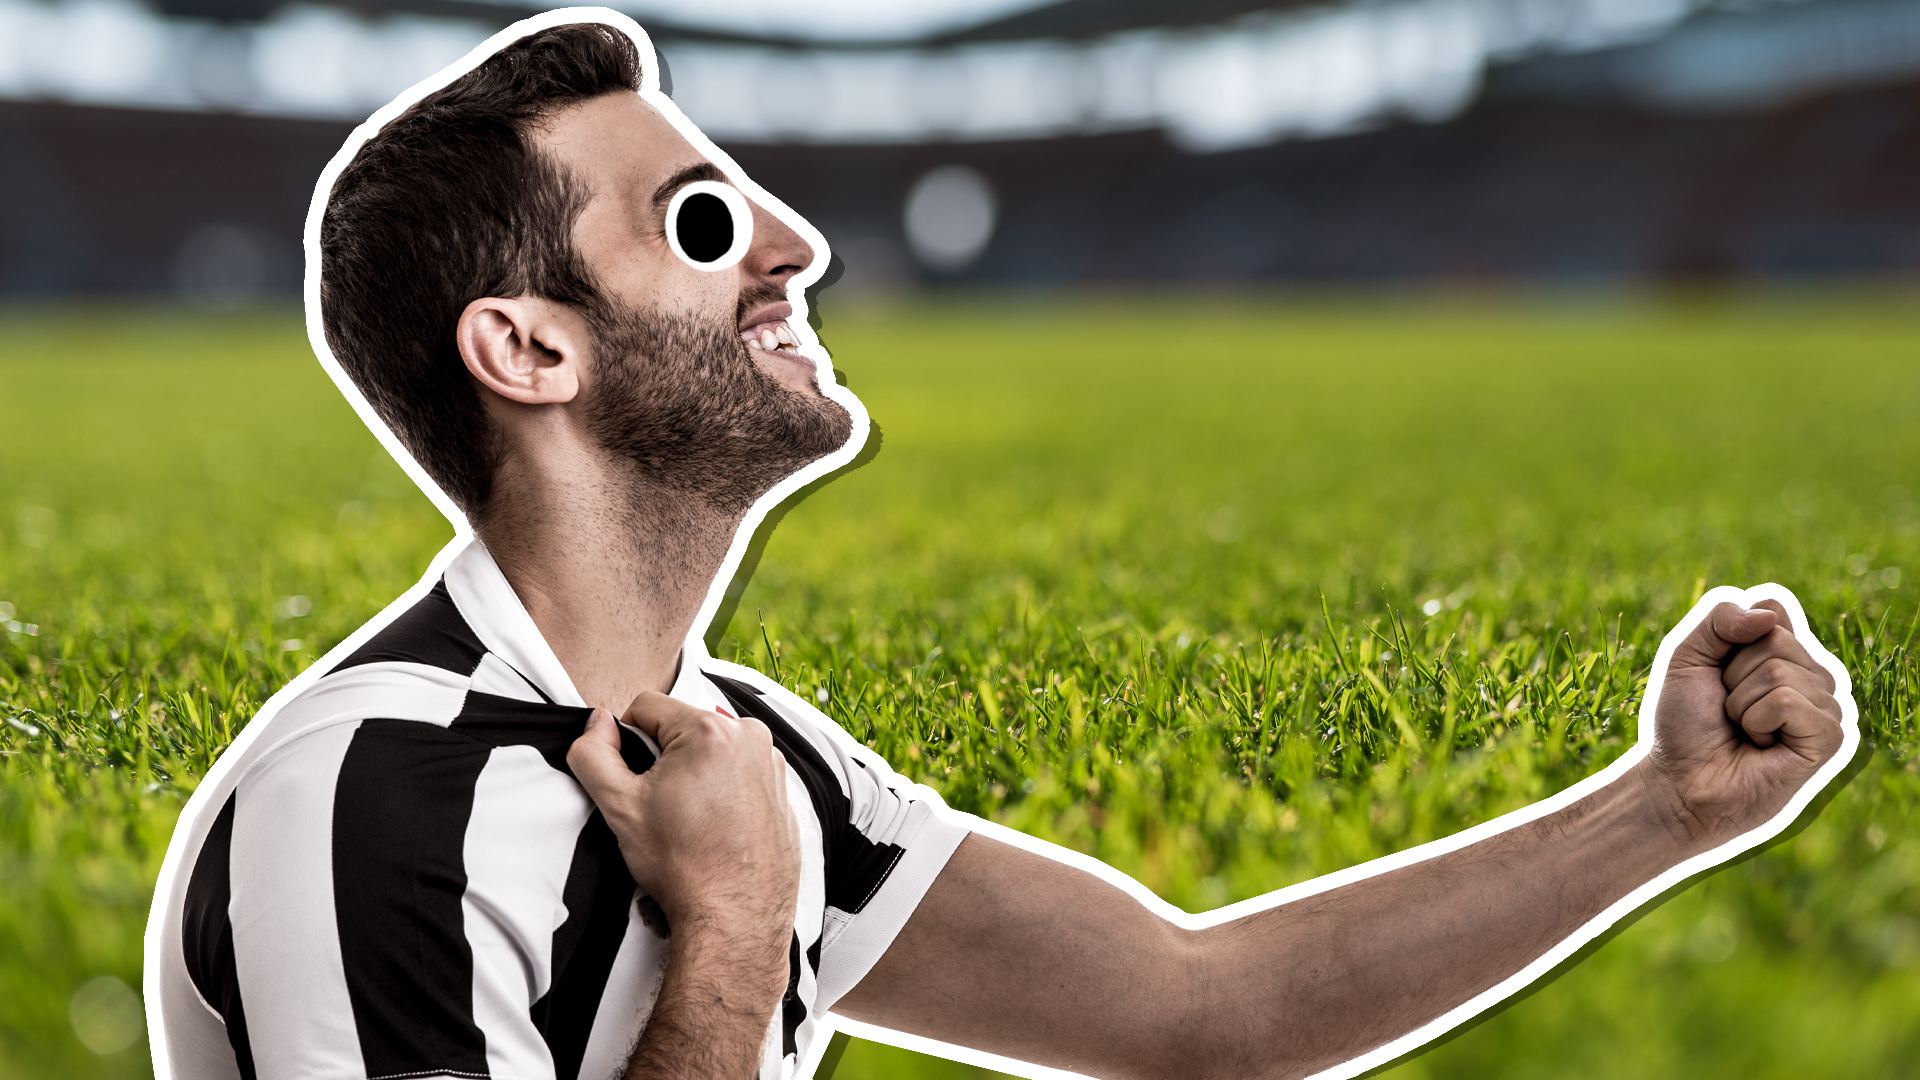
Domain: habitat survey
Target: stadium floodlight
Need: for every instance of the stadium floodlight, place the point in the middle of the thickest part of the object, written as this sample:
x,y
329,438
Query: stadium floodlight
x,y
949,218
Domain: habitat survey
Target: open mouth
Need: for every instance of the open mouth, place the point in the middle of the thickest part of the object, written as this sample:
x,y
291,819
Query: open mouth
x,y
773,335
765,328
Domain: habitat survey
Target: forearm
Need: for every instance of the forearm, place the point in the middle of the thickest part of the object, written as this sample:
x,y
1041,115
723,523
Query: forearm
x,y
1093,982
1026,956
715,1005
1331,976
707,833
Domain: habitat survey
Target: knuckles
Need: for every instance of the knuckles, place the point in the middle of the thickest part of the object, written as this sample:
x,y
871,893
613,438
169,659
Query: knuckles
x,y
745,746
1774,671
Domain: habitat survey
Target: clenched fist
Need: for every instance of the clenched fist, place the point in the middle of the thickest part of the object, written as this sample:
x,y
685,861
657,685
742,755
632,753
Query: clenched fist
x,y
706,831
1745,717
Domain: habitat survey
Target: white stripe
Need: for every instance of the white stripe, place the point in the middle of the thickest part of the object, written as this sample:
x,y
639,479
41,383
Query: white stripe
x,y
495,677
391,690
286,940
196,1039
518,850
193,1040
809,1028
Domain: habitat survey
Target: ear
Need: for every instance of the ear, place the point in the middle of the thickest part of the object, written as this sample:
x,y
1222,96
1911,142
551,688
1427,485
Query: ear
x,y
525,349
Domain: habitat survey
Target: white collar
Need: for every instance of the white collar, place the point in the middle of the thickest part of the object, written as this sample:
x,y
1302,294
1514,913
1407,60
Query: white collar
x,y
494,612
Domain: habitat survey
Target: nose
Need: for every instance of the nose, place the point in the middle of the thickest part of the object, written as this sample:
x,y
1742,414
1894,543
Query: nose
x,y
777,252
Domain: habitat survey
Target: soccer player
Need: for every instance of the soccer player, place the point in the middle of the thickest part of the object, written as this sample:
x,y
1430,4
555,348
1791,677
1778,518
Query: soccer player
x,y
443,855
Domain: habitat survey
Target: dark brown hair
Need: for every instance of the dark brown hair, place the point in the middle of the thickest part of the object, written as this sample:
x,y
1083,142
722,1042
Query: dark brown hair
x,y
451,201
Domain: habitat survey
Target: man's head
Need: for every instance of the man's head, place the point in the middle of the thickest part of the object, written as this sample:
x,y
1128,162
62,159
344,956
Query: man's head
x,y
496,274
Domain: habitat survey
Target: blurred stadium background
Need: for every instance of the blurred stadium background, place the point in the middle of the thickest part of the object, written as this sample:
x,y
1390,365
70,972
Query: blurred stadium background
x,y
170,147
166,150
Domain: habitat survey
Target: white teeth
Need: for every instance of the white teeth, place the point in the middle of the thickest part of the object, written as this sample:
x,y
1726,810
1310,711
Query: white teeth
x,y
768,341
786,335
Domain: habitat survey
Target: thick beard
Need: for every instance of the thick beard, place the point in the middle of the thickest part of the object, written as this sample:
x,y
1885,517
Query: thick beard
x,y
682,401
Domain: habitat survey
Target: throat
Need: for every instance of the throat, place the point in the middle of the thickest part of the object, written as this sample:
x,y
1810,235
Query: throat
x,y
614,584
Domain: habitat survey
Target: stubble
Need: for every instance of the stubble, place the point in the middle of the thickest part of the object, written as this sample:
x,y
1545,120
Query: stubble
x,y
681,401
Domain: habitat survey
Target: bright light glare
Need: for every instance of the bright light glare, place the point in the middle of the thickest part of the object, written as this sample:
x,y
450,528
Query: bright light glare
x,y
949,217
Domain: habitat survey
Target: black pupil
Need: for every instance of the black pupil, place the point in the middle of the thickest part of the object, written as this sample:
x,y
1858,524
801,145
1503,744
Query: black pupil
x,y
704,227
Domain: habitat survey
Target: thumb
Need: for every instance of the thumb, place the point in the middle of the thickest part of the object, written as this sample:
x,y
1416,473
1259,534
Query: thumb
x,y
595,756
656,714
1779,610
1726,628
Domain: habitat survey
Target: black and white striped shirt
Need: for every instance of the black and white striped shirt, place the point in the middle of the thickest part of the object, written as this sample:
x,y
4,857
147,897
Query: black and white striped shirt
x,y
396,876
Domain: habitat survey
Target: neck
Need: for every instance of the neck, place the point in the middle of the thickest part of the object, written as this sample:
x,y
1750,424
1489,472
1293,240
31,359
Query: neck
x,y
612,570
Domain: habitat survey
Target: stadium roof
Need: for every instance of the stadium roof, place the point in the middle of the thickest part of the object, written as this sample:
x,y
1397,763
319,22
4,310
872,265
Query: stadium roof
x,y
1213,74
817,23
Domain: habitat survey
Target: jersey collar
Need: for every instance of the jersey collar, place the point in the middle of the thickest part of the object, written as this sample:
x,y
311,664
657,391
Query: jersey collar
x,y
493,610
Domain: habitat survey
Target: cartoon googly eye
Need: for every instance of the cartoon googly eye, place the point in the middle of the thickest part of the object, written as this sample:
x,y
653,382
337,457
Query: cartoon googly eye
x,y
709,225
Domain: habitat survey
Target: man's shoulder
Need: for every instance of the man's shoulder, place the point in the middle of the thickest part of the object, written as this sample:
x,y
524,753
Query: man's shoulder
x,y
430,632
431,641
856,766
420,664
423,678
757,693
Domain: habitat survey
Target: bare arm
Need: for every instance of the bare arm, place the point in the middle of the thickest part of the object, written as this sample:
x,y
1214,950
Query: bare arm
x,y
1023,956
711,1015
707,833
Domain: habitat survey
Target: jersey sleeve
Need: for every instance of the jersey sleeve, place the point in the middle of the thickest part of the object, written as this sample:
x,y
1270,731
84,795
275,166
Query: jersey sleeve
x,y
887,843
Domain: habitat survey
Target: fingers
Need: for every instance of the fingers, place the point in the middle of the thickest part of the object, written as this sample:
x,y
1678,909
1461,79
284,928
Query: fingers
x,y
670,720
595,757
1777,673
1726,628
652,711
1777,692
1778,644
1786,715
1780,612
690,733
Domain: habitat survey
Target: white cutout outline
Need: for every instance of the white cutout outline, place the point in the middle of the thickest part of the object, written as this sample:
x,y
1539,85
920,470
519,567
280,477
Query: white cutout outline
x,y
736,206
696,651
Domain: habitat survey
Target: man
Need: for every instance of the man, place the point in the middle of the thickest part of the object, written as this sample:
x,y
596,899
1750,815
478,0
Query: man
x,y
440,855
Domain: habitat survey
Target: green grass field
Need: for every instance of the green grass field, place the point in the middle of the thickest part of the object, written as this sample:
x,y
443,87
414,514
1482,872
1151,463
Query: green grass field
x,y
1229,592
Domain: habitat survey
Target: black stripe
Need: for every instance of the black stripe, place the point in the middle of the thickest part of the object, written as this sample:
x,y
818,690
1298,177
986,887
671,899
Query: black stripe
x,y
599,897
550,729
400,812
830,804
431,632
206,934
599,892
856,866
864,866
793,1011
504,721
